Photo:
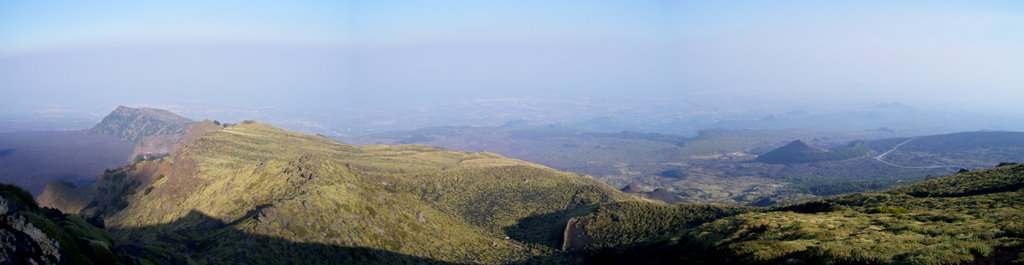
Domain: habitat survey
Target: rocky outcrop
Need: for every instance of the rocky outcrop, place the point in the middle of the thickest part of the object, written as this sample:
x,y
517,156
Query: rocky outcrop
x,y
21,242
575,237
30,234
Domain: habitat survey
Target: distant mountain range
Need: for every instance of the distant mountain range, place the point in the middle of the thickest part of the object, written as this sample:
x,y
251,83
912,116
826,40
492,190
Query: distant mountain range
x,y
728,166
678,116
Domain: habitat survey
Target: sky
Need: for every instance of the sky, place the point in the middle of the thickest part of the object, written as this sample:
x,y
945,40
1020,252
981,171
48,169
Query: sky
x,y
343,54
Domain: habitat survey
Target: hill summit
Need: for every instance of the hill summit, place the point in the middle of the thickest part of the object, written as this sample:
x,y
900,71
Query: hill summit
x,y
792,152
799,152
155,132
135,124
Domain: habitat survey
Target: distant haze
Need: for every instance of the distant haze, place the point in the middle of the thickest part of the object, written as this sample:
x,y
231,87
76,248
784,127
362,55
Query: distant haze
x,y
343,54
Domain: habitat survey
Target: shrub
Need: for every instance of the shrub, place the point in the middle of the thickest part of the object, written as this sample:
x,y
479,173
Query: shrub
x,y
887,209
19,195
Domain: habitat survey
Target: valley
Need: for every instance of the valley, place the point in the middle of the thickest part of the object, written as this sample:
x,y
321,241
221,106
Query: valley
x,y
754,167
32,159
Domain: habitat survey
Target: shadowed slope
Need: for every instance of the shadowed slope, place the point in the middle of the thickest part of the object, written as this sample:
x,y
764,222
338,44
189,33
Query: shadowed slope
x,y
33,235
202,239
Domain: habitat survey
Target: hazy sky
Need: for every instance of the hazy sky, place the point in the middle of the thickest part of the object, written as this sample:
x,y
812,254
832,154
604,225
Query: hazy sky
x,y
400,53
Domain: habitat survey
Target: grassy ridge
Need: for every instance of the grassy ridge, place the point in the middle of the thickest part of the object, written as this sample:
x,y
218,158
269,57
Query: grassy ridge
x,y
413,200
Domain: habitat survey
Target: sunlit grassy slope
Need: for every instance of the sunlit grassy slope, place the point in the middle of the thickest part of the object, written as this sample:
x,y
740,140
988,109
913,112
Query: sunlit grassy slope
x,y
416,200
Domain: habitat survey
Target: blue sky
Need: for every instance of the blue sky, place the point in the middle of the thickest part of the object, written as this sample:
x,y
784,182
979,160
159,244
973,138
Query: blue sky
x,y
382,53
42,25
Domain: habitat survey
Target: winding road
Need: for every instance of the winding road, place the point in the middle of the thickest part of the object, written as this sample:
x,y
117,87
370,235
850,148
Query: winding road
x,y
881,156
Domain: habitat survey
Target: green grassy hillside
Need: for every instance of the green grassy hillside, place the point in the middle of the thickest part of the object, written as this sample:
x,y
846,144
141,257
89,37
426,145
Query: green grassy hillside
x,y
412,200
968,218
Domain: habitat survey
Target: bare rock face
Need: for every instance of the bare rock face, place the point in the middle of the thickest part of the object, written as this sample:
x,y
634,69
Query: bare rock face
x,y
575,237
30,234
21,242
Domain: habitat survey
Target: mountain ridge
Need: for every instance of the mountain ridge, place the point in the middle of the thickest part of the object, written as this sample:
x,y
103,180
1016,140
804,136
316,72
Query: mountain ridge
x,y
265,180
